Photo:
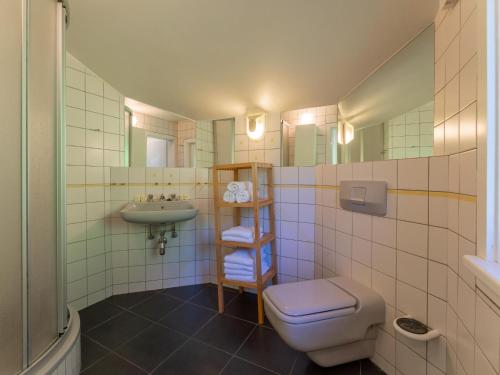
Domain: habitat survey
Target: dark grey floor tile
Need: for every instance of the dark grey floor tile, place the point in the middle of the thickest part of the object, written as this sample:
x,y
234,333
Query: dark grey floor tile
x,y
130,299
96,314
91,352
157,306
151,347
265,348
240,367
225,332
116,331
194,358
244,306
304,366
185,292
370,368
188,318
112,365
208,297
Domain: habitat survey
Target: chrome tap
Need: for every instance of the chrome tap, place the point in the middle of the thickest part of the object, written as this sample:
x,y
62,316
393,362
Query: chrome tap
x,y
162,197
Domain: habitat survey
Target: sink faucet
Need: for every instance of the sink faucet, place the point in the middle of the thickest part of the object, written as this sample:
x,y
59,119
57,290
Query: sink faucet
x,y
150,198
162,197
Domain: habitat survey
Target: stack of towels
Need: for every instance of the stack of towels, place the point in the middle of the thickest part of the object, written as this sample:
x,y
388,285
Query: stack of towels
x,y
238,191
240,234
240,264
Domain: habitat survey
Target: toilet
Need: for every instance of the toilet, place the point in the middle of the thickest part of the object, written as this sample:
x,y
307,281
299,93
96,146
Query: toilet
x,y
332,320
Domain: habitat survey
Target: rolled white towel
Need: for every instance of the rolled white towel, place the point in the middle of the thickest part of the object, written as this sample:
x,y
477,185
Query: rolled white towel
x,y
229,197
236,186
243,196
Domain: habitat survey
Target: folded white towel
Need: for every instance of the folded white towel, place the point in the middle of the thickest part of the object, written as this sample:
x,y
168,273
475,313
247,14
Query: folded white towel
x,y
245,257
241,256
243,196
236,239
240,269
235,186
229,197
240,233
244,276
229,267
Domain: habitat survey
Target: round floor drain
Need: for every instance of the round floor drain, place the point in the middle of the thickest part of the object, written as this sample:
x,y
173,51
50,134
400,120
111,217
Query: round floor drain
x,y
412,325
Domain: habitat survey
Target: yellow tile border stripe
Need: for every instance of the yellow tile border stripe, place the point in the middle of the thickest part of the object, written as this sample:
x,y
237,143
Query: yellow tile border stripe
x,y
441,194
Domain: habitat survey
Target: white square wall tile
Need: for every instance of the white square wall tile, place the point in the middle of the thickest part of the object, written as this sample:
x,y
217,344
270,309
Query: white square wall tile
x,y
362,226
412,270
290,175
412,238
384,259
384,231
468,125
387,171
362,171
438,279
454,174
413,174
438,173
468,175
413,206
412,301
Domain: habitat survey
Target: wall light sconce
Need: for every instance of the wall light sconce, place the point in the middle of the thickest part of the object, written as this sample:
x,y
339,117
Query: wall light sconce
x,y
306,118
256,125
345,133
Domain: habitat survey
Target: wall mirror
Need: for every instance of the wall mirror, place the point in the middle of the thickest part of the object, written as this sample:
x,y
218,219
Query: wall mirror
x,y
390,115
158,138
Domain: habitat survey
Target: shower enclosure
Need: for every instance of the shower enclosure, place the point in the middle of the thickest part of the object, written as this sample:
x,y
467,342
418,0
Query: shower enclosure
x,y
33,313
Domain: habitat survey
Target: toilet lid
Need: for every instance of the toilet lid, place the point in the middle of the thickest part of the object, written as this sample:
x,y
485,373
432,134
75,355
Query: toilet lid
x,y
309,297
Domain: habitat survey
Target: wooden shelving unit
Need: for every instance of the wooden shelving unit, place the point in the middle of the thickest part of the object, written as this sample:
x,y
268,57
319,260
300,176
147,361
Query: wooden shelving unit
x,y
270,237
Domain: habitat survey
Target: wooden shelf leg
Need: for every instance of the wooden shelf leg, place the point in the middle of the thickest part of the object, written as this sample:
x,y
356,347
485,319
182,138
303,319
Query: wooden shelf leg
x,y
260,307
220,292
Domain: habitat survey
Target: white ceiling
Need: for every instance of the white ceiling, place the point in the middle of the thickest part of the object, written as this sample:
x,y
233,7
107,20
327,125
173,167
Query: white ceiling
x,y
209,59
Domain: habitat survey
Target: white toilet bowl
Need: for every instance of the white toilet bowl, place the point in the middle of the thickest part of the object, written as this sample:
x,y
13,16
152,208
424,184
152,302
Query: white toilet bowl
x,y
332,320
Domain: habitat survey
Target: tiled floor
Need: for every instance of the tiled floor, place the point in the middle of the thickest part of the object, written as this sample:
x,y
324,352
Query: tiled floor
x,y
178,331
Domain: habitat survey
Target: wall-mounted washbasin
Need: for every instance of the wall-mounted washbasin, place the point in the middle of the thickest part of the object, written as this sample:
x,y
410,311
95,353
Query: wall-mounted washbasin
x,y
162,212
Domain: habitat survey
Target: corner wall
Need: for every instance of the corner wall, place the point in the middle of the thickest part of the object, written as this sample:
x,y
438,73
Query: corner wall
x,y
95,130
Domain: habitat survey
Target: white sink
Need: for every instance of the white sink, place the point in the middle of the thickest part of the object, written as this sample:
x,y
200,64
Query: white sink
x,y
162,212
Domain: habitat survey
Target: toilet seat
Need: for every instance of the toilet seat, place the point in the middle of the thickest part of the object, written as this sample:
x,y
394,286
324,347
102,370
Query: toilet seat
x,y
309,301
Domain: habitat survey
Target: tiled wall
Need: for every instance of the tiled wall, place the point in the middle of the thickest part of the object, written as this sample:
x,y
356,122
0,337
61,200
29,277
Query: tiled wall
x,y
411,134
323,117
266,149
185,130
137,265
411,257
95,142
204,144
